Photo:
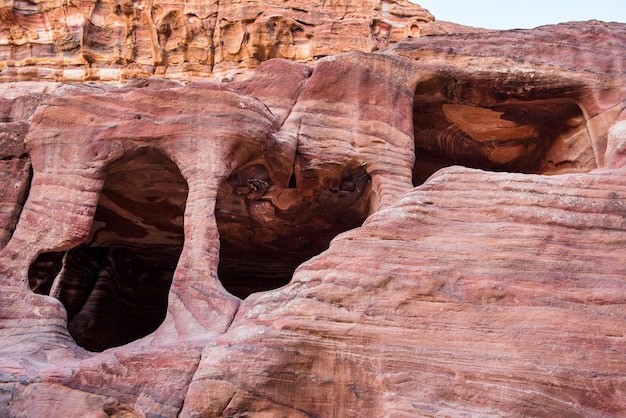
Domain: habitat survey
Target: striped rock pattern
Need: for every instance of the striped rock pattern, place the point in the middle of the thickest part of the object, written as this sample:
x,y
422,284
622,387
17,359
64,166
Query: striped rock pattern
x,y
160,218
79,135
14,161
121,39
507,308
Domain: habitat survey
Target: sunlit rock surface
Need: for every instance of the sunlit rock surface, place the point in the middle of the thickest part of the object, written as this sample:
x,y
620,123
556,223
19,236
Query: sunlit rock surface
x,y
437,228
120,39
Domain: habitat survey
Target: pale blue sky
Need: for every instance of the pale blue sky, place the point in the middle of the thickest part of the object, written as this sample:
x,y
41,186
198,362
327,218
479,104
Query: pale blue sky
x,y
502,14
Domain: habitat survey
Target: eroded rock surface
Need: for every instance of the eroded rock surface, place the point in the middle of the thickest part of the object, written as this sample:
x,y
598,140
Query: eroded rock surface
x,y
150,231
120,39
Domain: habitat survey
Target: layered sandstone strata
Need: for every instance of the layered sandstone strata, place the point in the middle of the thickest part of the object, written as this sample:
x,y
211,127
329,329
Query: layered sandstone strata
x,y
150,232
120,39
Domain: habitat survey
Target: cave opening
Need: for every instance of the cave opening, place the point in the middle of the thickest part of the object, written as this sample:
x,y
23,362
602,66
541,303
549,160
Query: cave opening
x,y
267,231
115,286
474,124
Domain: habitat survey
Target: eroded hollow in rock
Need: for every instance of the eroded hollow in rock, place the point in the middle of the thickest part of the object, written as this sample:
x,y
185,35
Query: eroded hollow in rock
x,y
267,231
115,286
473,124
44,270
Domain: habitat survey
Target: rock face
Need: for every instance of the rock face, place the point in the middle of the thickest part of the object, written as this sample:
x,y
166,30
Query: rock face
x,y
120,39
434,229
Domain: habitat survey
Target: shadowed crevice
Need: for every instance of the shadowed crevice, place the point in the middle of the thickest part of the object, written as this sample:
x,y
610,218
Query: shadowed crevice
x,y
266,231
470,123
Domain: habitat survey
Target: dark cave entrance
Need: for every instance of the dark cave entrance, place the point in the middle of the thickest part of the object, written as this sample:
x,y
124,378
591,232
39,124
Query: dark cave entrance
x,y
266,231
115,286
476,124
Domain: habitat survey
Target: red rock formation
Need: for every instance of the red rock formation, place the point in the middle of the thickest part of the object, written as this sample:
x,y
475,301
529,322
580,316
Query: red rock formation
x,y
507,308
158,216
120,39
14,161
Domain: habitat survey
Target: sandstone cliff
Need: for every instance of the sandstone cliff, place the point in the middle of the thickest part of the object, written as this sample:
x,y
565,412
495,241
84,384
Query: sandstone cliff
x,y
120,39
423,226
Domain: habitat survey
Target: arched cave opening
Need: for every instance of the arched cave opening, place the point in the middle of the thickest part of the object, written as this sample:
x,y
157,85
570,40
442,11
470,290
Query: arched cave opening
x,y
115,286
267,231
476,124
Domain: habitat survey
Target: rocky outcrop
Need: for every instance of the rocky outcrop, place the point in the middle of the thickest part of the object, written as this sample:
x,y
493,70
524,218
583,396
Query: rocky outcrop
x,y
117,40
14,162
306,242
507,307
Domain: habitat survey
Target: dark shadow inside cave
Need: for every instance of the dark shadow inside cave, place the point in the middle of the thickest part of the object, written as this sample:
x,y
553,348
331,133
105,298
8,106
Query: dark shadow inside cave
x,y
266,231
509,128
44,270
115,286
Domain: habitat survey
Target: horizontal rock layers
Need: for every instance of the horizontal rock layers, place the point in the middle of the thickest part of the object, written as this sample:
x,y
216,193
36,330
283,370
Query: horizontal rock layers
x,y
116,40
492,316
143,220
